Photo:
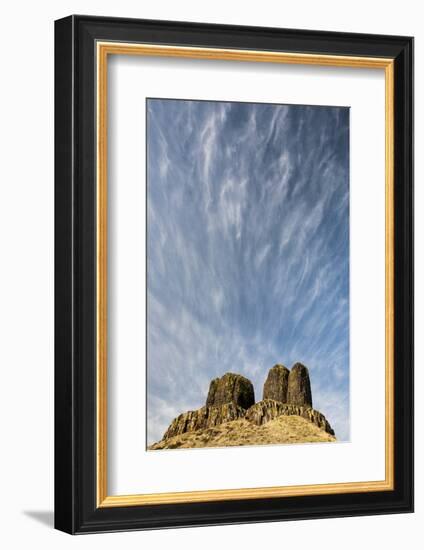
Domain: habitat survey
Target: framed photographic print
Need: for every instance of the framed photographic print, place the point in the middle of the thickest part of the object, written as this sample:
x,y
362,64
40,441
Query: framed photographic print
x,y
234,274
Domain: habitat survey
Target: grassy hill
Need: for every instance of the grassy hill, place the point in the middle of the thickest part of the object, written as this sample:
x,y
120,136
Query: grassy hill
x,y
284,429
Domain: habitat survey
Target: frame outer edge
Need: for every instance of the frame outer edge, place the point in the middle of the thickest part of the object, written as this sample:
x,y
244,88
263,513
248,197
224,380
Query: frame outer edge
x,y
64,447
406,180
71,515
105,48
412,295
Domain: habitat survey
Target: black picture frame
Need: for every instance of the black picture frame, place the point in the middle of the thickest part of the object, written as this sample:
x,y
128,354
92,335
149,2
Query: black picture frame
x,y
76,509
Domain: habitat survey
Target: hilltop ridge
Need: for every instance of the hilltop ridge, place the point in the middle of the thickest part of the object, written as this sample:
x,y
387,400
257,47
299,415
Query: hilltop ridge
x,y
231,416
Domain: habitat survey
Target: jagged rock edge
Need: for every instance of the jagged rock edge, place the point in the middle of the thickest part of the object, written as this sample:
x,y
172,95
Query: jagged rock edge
x,y
260,413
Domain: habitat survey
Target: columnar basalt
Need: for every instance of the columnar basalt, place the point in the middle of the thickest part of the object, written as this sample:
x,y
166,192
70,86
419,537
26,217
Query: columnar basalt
x,y
206,417
299,386
276,384
268,409
231,388
231,397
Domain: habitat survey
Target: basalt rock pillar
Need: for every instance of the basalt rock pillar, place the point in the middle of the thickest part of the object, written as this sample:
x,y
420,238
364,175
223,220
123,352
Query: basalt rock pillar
x,y
299,386
231,388
276,384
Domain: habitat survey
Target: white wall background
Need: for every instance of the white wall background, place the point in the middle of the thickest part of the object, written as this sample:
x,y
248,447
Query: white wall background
x,y
26,273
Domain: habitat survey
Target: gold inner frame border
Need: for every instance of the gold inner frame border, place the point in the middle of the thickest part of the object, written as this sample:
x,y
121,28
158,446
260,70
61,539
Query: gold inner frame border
x,y
103,50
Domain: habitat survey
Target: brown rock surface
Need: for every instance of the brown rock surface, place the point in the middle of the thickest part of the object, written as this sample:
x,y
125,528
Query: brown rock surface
x,y
299,386
268,409
276,384
281,430
205,417
231,416
231,388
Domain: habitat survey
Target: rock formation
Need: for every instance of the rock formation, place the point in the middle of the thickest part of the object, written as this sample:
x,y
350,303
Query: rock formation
x,y
280,431
268,409
276,384
230,405
231,388
206,417
299,386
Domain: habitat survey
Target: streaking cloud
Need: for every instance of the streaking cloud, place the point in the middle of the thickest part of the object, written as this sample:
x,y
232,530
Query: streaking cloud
x,y
247,250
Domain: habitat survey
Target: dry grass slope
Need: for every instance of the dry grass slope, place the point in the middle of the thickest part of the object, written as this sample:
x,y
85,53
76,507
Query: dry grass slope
x,y
284,429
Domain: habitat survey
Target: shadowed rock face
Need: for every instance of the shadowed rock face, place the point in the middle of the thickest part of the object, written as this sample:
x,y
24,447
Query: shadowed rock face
x,y
265,411
258,414
276,384
231,388
299,386
231,398
203,418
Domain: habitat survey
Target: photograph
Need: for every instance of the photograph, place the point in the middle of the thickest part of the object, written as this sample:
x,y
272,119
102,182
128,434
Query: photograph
x,y
247,273
234,271
211,297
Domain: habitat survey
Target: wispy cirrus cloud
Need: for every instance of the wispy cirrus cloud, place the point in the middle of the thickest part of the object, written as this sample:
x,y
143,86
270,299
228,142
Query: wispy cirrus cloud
x,y
248,250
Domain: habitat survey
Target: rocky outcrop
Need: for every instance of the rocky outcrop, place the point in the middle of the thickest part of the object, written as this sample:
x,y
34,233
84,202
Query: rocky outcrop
x,y
276,384
206,417
231,403
260,413
269,409
280,431
299,386
231,388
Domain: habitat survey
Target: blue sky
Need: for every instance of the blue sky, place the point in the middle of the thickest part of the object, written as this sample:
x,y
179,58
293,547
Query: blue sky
x,y
247,250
